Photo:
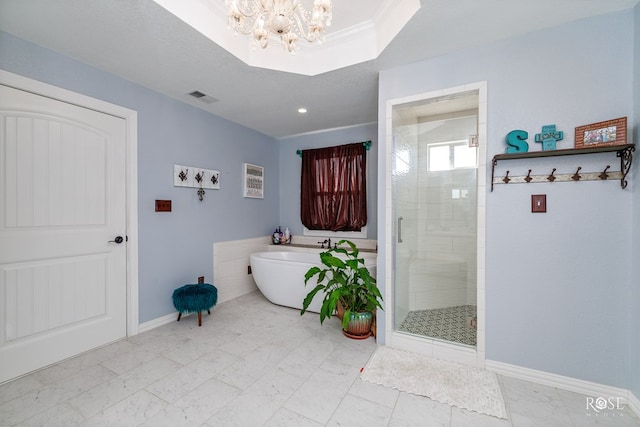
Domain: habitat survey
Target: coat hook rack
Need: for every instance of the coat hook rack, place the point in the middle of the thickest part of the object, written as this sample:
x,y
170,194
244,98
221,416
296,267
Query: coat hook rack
x,y
623,152
195,177
576,176
528,177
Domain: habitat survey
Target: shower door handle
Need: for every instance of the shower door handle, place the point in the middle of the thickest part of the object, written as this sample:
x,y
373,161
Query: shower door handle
x,y
400,229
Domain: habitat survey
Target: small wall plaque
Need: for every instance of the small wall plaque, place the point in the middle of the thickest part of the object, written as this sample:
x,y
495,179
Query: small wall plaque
x,y
163,205
549,136
253,181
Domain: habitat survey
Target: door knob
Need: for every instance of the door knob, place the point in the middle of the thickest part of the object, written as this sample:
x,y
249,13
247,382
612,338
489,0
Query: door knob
x,y
117,240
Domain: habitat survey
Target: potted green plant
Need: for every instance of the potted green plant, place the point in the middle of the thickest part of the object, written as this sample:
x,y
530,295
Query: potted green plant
x,y
345,281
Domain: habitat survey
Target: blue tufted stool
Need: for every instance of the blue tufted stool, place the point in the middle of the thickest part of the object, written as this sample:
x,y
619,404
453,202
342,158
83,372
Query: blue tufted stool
x,y
195,298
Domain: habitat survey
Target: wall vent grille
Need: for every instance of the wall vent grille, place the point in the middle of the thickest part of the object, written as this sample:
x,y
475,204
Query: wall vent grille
x,y
203,97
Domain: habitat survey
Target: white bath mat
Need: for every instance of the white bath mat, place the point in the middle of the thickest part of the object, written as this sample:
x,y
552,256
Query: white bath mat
x,y
447,382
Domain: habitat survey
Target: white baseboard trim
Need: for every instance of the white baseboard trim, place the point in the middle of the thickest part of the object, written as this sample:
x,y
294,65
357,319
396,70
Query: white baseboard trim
x,y
565,383
152,324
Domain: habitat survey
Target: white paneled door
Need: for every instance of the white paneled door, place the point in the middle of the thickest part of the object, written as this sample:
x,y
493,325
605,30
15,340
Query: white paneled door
x,y
62,208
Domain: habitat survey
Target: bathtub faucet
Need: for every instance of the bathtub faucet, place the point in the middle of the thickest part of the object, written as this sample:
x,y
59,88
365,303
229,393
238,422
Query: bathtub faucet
x,y
323,243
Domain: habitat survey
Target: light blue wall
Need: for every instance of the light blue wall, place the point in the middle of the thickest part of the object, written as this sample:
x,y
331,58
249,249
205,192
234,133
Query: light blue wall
x,y
634,300
291,164
557,283
174,248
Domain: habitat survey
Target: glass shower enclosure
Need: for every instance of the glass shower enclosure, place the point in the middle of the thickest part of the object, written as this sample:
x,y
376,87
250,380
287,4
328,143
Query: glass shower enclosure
x,y
434,178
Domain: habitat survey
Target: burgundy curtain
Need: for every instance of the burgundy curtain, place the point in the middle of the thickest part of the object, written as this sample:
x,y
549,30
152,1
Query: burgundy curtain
x,y
333,188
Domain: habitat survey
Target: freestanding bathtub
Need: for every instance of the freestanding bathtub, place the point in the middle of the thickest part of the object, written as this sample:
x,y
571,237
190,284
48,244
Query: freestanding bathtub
x,y
280,276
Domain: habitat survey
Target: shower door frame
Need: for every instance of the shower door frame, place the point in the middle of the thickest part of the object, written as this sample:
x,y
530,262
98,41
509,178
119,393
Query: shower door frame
x,y
424,345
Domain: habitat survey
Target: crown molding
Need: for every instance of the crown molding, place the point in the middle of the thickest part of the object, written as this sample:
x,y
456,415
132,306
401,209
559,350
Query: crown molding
x,y
360,42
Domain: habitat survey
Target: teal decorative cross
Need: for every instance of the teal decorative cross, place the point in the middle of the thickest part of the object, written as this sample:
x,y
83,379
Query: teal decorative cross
x,y
549,136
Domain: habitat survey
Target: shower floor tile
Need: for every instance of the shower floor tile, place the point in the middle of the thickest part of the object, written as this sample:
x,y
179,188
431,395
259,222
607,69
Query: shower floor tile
x,y
448,324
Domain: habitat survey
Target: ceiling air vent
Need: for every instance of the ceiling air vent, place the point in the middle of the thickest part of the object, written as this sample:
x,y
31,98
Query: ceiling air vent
x,y
203,97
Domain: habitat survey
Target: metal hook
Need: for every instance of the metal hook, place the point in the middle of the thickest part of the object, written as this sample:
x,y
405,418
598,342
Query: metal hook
x,y
506,178
528,177
604,174
200,193
551,177
576,176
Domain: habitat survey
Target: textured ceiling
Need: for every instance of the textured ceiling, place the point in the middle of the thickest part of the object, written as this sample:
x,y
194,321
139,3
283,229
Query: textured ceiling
x,y
142,42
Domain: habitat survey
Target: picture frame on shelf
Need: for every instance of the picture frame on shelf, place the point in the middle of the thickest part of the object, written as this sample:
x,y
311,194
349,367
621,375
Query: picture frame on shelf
x,y
253,181
609,132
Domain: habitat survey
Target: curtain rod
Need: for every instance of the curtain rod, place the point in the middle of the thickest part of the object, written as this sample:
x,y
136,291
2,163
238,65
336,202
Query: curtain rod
x,y
367,146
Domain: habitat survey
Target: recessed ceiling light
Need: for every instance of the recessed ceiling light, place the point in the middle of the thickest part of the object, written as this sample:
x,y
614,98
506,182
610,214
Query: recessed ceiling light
x,y
302,110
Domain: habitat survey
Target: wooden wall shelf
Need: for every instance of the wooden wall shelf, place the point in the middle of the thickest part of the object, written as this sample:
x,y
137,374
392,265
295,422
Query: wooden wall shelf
x,y
624,152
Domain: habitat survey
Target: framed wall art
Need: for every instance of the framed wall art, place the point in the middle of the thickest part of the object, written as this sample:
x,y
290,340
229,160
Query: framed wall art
x,y
610,132
253,181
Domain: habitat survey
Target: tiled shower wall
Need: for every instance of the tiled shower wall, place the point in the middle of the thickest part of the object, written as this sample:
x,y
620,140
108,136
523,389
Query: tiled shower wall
x,y
444,273
438,254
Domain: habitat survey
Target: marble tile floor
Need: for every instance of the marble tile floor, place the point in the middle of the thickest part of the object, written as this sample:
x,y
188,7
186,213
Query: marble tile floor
x,y
255,364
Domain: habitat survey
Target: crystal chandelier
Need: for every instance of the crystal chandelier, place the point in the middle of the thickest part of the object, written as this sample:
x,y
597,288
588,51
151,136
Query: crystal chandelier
x,y
284,19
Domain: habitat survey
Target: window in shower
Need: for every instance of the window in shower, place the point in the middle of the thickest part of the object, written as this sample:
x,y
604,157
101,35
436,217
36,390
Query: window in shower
x,y
450,155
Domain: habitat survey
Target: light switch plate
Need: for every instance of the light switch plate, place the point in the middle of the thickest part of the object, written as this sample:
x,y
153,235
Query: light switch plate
x,y
538,203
